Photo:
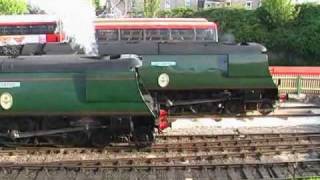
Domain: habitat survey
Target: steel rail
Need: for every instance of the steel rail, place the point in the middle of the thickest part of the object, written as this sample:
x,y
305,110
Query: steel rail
x,y
235,136
227,170
240,116
221,145
173,161
233,171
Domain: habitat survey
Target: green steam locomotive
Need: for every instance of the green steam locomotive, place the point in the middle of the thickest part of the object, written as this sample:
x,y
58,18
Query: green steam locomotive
x,y
79,100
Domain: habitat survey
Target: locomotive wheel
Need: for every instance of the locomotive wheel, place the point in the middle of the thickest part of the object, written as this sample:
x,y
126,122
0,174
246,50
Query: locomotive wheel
x,y
233,107
77,139
25,124
143,136
265,106
100,138
68,139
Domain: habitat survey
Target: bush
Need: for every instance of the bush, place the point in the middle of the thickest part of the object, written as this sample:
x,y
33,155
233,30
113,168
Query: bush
x,y
275,13
298,37
12,7
178,12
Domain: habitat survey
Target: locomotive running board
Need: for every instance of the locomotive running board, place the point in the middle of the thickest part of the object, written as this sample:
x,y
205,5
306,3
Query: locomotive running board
x,y
15,134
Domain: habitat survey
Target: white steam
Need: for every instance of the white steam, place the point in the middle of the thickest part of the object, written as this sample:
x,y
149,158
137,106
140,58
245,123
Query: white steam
x,y
77,17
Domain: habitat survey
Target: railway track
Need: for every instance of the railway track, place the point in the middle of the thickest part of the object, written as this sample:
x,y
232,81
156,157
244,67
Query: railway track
x,y
100,169
228,156
202,156
192,143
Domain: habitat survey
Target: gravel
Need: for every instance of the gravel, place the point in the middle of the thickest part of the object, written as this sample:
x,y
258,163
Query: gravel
x,y
244,125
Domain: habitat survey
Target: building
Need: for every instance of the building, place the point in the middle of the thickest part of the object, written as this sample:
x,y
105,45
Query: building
x,y
121,8
306,1
172,4
127,8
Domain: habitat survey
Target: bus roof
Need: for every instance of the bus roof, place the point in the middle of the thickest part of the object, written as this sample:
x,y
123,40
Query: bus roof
x,y
27,20
155,25
101,20
114,23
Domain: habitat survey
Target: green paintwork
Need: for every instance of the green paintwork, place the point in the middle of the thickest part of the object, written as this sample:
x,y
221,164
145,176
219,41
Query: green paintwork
x,y
208,72
112,87
248,65
88,93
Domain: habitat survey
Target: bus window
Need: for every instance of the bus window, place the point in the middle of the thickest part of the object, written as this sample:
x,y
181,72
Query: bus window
x,y
51,28
131,35
182,34
5,30
38,29
206,35
107,35
2,30
22,29
157,35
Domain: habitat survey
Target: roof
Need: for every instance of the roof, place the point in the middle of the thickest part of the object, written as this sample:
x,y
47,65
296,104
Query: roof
x,y
155,25
119,23
27,19
101,20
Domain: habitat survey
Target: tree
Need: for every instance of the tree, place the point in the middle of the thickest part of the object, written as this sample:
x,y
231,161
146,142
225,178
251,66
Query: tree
x,y
275,13
151,8
96,3
12,7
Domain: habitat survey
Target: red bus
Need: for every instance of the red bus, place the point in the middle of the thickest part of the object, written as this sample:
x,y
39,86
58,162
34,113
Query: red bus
x,y
153,35
37,34
28,32
156,29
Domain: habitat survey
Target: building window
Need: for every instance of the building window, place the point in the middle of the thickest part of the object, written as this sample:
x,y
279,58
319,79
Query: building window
x,y
248,4
187,3
228,3
210,4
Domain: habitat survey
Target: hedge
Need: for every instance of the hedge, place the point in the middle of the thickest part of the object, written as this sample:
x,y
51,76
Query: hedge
x,y
298,39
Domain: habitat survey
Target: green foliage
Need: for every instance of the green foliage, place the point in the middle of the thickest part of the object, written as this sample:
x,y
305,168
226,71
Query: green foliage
x,y
151,8
297,37
12,7
309,14
229,19
277,12
96,3
178,12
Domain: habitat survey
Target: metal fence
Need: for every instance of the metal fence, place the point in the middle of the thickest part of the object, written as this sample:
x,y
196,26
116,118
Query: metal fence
x,y
297,84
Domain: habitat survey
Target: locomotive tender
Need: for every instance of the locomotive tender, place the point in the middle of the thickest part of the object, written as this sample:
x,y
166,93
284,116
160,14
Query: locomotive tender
x,y
74,100
229,83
